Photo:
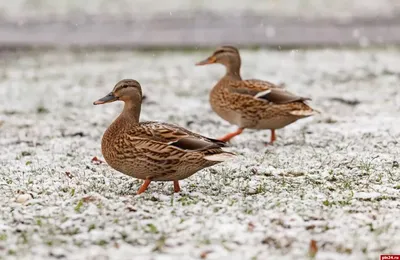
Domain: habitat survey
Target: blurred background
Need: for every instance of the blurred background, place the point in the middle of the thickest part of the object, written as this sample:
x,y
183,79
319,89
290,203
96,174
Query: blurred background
x,y
333,178
182,23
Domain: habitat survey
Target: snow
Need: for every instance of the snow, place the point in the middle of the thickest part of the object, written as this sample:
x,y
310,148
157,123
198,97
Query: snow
x,y
333,178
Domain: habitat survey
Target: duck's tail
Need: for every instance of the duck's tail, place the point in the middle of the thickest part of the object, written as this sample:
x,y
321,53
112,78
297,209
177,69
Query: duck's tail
x,y
220,157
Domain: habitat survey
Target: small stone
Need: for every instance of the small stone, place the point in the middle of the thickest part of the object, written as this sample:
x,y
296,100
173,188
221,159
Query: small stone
x,y
22,198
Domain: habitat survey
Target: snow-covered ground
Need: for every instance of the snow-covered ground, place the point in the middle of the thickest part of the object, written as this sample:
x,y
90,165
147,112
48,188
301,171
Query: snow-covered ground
x,y
333,178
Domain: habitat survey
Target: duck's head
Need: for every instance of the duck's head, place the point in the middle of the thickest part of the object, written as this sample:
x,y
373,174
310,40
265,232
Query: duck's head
x,y
225,55
127,90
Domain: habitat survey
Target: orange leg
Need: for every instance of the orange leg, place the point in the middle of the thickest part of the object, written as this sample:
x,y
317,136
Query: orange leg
x,y
273,136
176,186
229,136
144,186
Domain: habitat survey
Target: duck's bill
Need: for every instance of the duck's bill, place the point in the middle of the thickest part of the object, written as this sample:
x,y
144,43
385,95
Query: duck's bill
x,y
209,60
107,99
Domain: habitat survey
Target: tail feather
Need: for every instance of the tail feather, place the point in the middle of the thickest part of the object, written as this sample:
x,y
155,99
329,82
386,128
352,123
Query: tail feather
x,y
303,113
218,142
220,157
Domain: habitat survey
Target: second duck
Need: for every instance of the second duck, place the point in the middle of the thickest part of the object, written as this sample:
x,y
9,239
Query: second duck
x,y
253,104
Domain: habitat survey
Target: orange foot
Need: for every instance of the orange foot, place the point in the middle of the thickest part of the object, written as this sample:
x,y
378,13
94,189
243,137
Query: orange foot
x,y
176,186
144,186
229,136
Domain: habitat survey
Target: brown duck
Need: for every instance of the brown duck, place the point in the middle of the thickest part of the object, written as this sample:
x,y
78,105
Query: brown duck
x,y
153,151
253,104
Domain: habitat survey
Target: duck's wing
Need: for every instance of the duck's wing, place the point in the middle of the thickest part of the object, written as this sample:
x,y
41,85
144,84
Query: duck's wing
x,y
262,84
176,136
264,90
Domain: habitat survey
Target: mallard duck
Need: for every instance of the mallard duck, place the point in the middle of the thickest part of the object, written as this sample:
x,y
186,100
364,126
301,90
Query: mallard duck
x,y
253,104
154,151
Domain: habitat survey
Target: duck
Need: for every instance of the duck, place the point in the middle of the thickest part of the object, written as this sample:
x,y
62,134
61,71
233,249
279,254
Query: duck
x,y
154,151
252,104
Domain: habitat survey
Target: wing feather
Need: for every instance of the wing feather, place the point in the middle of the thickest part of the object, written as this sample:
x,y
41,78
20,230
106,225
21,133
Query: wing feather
x,y
264,90
169,134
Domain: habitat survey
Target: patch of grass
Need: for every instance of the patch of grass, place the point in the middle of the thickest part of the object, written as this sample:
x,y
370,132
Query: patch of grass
x,y
327,203
42,110
78,206
186,200
365,167
205,241
3,237
232,202
124,235
102,242
341,203
150,228
248,211
385,197
72,231
344,250
91,227
160,243
25,153
260,189
30,180
24,237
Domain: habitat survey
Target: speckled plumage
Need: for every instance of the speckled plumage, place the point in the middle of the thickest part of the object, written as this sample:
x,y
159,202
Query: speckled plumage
x,y
235,101
154,151
253,104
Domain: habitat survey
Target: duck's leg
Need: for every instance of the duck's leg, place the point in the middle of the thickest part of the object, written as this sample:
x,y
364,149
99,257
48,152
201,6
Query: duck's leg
x,y
229,136
273,136
177,188
144,186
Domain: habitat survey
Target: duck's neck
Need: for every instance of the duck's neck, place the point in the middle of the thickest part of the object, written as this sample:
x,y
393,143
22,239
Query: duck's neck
x,y
233,69
131,112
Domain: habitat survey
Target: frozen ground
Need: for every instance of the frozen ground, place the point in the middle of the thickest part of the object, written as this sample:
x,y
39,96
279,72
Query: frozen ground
x,y
333,178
